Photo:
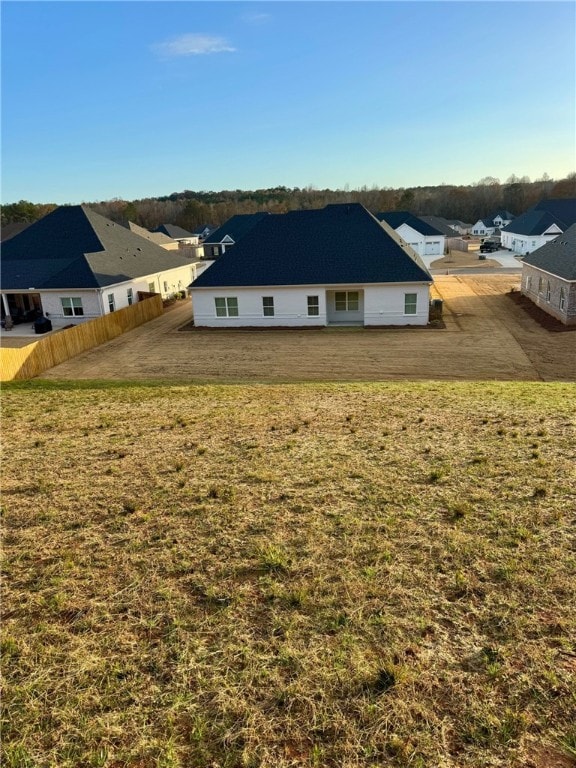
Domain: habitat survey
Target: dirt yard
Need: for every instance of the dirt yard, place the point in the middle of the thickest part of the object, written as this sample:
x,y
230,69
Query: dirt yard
x,y
487,337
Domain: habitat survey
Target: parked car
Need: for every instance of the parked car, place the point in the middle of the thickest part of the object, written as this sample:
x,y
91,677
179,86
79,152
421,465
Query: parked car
x,y
489,246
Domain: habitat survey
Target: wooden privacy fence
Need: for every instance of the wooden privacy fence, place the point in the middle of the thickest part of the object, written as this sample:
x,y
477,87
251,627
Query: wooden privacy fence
x,y
31,360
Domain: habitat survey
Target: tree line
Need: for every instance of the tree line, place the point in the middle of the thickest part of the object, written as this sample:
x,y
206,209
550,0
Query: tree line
x,y
189,209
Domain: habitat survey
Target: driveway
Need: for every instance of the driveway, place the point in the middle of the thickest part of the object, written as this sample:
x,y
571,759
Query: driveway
x,y
487,337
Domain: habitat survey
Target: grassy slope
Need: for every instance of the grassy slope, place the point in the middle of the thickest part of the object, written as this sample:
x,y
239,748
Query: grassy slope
x,y
331,575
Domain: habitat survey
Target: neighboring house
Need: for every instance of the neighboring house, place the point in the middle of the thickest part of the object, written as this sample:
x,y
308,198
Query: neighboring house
x,y
539,225
178,234
203,231
549,277
487,227
453,239
75,264
231,232
425,239
155,237
459,226
335,266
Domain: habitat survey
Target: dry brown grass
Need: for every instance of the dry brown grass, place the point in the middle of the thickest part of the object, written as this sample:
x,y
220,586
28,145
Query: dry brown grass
x,y
317,575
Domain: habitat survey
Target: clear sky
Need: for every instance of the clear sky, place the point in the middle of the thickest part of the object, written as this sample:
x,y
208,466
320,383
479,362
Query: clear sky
x,y
142,99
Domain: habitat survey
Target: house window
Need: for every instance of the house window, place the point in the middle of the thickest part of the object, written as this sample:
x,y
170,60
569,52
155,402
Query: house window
x,y
410,301
111,302
313,306
165,287
215,250
529,282
347,301
548,290
72,306
268,306
540,283
130,296
562,299
226,307
151,287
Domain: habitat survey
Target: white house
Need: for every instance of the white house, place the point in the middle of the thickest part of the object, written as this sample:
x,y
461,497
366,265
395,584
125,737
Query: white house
x,y
487,227
74,265
539,225
231,232
424,238
549,277
335,266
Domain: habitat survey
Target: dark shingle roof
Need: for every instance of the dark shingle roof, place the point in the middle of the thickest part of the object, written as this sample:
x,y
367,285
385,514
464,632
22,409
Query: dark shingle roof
x,y
562,208
396,218
558,256
173,231
532,223
340,244
235,228
74,247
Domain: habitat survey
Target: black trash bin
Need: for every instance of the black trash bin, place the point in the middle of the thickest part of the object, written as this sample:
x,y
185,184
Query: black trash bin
x,y
42,325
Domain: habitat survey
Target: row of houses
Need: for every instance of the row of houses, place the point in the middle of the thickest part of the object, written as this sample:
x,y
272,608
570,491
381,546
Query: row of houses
x,y
338,265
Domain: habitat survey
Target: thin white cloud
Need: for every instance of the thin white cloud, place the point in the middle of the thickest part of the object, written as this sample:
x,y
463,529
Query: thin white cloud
x,y
192,45
256,18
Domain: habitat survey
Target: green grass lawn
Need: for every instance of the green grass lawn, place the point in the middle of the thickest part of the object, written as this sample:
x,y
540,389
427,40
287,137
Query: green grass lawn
x,y
313,575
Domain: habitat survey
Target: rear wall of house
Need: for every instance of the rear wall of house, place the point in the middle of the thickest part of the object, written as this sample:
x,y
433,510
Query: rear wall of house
x,y
382,304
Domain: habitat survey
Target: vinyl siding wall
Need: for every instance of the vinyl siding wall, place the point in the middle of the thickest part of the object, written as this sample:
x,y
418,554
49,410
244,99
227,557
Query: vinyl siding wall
x,y
524,244
383,305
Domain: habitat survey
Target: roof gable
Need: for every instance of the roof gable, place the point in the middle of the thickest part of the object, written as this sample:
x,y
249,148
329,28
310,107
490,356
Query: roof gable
x,y
235,228
339,244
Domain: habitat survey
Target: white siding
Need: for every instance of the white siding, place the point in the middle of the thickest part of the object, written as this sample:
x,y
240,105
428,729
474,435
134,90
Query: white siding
x,y
52,306
524,244
383,305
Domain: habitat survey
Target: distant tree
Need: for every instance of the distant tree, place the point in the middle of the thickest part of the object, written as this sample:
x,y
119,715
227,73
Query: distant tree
x,y
565,187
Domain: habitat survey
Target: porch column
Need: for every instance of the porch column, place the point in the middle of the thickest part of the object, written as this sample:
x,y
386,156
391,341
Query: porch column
x,y
5,304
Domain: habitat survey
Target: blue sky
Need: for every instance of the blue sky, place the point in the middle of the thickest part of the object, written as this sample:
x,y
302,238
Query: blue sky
x,y
142,99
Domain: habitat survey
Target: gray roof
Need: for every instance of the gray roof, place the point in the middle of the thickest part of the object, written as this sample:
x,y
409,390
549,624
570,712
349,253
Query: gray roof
x,y
440,224
173,231
341,244
558,256
155,237
235,228
74,247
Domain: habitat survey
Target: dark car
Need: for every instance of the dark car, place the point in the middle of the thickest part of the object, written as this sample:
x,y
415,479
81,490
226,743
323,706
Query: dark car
x,y
489,247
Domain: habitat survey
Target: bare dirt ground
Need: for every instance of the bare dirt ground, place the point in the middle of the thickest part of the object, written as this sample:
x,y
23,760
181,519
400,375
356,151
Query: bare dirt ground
x,y
487,337
456,259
